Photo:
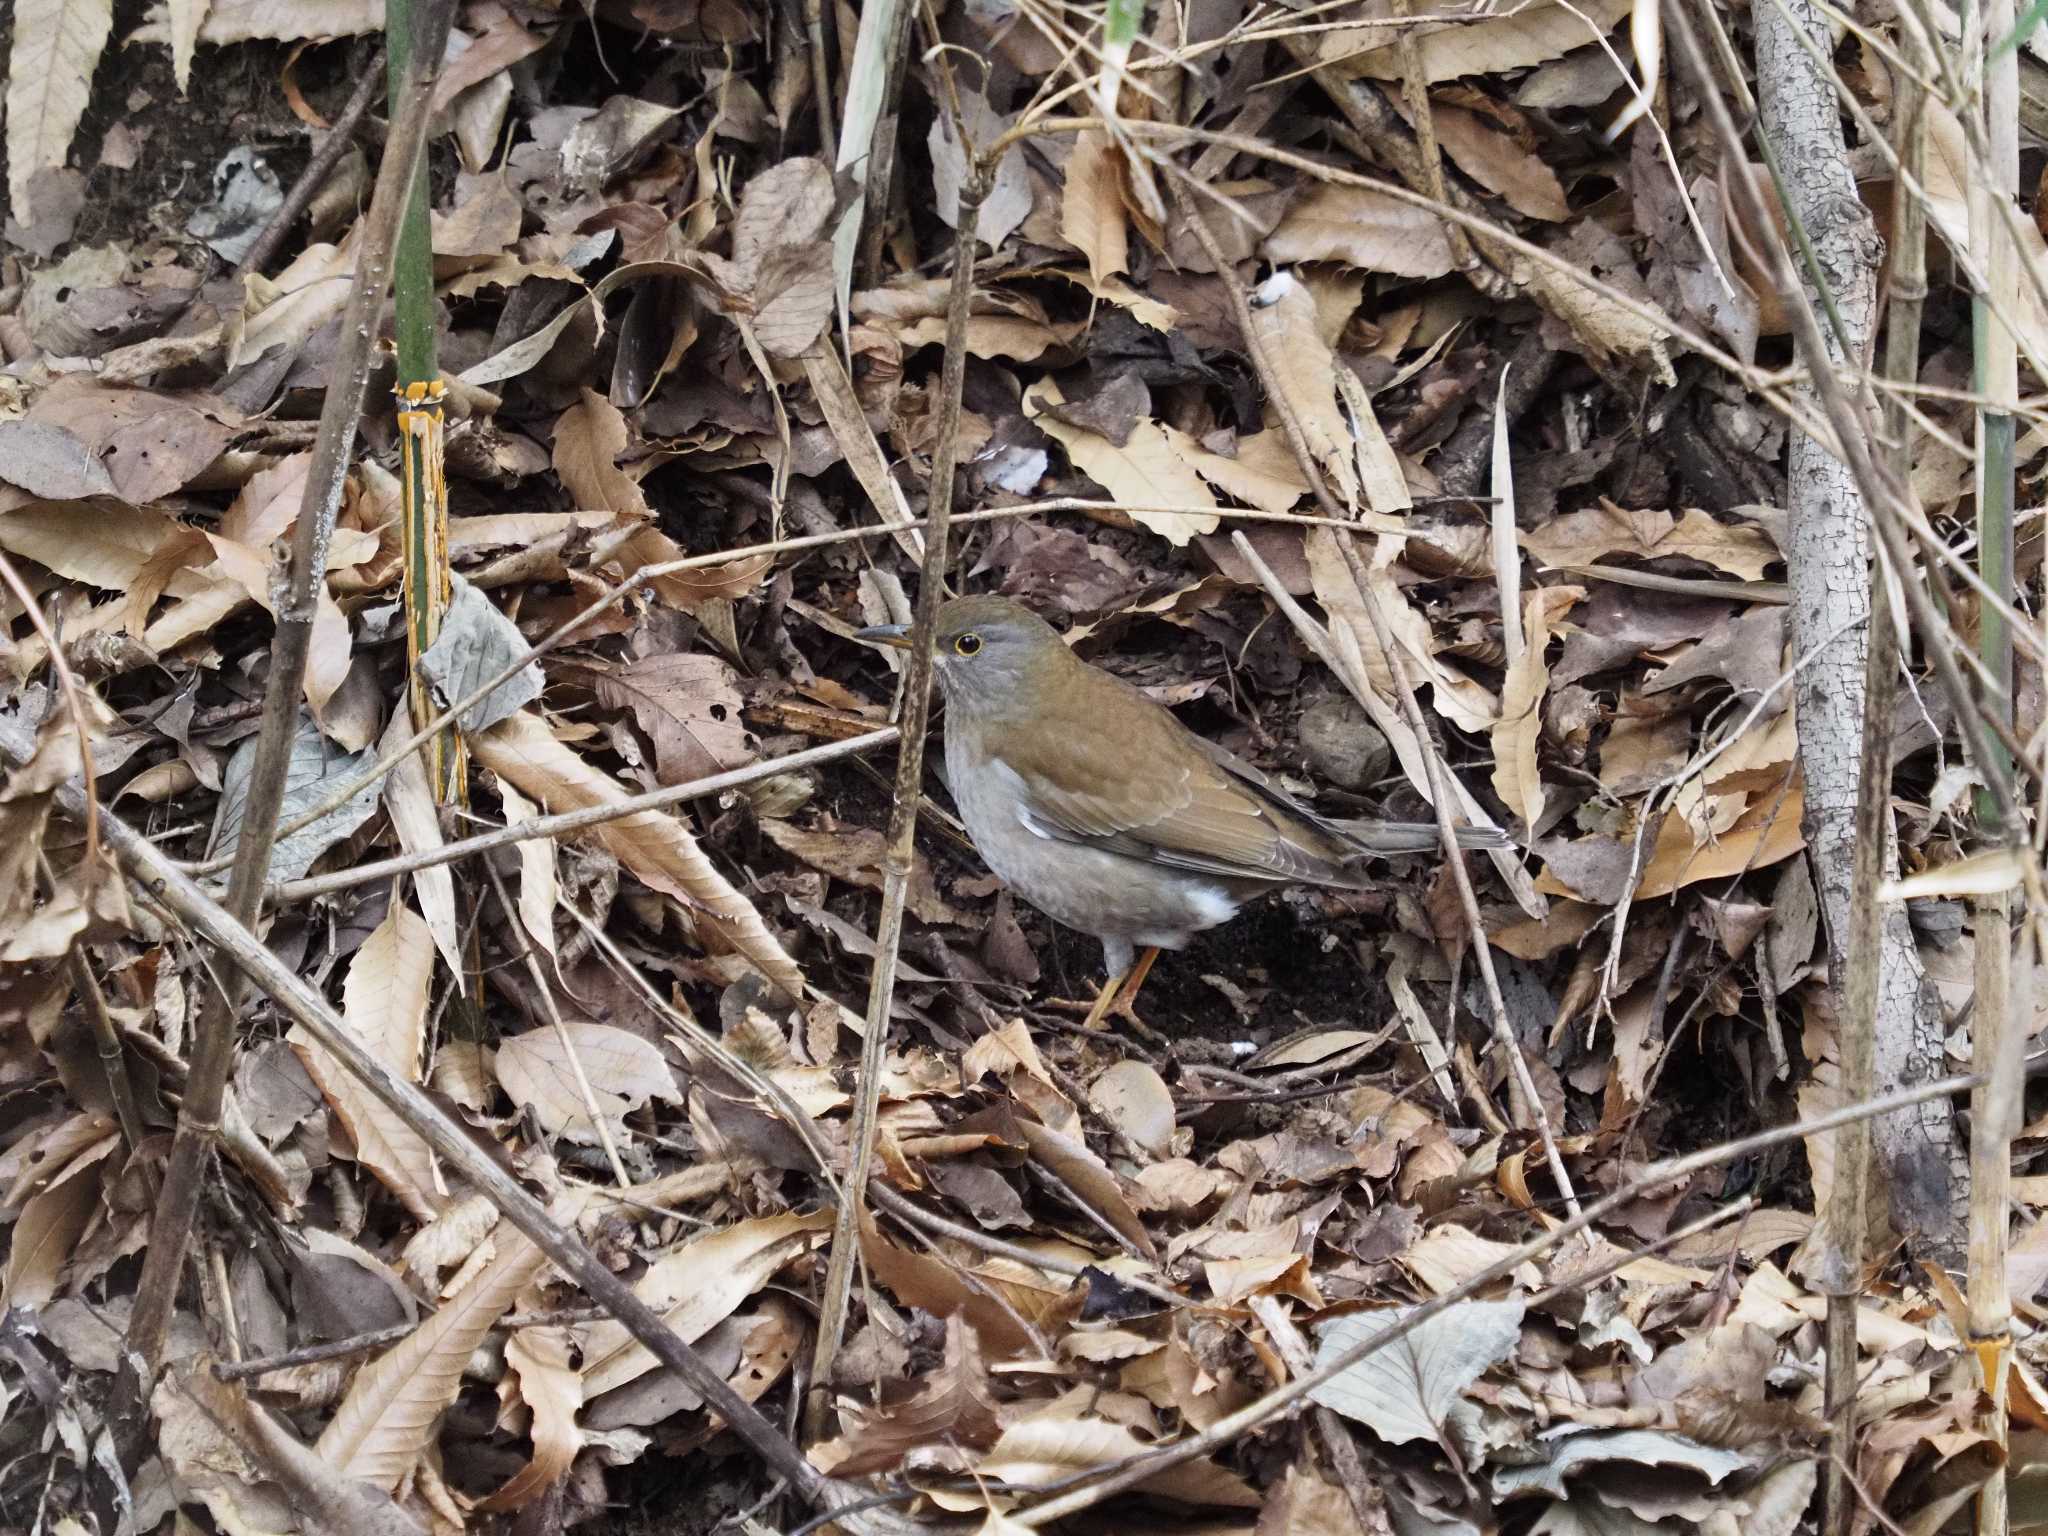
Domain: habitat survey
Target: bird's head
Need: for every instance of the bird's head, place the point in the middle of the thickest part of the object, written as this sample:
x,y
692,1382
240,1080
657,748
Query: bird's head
x,y
988,653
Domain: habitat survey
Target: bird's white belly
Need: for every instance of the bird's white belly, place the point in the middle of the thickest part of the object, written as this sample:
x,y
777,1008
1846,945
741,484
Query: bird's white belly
x,y
1105,894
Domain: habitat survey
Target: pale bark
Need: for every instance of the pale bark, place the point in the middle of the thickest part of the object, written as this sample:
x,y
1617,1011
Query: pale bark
x,y
1829,562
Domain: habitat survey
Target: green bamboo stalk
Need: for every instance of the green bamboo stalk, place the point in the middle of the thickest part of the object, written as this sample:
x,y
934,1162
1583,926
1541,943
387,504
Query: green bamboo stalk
x,y
423,488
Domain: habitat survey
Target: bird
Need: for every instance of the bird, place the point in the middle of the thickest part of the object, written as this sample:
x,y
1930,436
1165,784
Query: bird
x,y
1100,808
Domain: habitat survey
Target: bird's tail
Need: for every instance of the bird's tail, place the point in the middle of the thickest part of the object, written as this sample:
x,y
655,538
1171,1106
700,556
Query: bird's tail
x,y
1383,837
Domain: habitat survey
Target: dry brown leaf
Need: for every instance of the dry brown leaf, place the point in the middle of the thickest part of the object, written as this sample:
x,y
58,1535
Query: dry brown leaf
x,y
1045,1449
1143,473
688,703
856,855
57,45
1092,206
1364,229
1516,39
691,590
537,878
384,1001
1497,161
1305,376
538,1070
695,1287
1520,727
1271,487
652,844
1136,1103
1380,474
242,21
1588,537
953,1404
552,1390
409,802
45,1234
388,1417
1610,334
589,437
937,1285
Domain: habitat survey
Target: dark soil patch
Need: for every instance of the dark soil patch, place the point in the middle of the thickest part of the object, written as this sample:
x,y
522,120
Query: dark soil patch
x,y
236,99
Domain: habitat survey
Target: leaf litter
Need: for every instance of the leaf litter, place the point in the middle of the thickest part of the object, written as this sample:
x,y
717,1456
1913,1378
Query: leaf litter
x,y
1081,1248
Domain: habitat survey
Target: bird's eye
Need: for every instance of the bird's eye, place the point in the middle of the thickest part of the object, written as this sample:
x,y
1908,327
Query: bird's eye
x,y
967,644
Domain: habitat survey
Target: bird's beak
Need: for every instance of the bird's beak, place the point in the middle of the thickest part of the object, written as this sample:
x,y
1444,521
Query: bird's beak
x,y
896,636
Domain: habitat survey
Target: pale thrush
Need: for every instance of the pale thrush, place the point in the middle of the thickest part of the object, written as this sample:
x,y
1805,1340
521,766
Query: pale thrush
x,y
1102,810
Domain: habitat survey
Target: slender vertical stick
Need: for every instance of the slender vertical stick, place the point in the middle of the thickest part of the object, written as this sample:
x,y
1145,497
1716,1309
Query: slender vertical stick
x,y
898,859
1996,1036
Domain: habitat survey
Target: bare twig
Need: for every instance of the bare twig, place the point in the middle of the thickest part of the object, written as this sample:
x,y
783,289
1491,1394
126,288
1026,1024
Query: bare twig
x,y
899,857
567,823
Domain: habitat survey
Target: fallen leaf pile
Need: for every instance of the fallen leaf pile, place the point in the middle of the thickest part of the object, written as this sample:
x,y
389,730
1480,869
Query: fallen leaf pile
x,y
674,325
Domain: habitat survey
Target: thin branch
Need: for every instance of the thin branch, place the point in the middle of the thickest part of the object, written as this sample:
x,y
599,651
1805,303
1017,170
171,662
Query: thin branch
x,y
898,859
566,823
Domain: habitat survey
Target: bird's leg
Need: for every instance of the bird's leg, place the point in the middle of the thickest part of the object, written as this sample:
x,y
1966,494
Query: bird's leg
x,y
1119,995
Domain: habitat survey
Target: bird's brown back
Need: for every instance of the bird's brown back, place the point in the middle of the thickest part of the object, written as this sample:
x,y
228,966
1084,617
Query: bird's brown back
x,y
1106,765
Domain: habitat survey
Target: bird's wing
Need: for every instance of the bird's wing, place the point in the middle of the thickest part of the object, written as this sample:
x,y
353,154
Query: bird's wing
x,y
1136,789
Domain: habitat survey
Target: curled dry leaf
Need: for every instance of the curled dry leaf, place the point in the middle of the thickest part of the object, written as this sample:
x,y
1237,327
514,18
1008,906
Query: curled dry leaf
x,y
385,1002
695,1287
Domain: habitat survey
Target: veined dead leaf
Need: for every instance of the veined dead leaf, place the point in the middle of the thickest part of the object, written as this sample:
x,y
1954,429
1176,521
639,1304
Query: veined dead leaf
x,y
57,45
1272,487
1978,874
384,1001
537,1359
654,846
589,437
48,1229
1523,36
1144,472
688,705
537,877
695,1287
1364,229
1305,373
1496,161
1585,538
389,1415
954,1403
409,801
284,21
1044,1449
1092,207
1515,736
538,1070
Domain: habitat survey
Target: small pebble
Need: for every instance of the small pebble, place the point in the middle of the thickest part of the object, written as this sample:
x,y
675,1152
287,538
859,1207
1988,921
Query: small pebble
x,y
1342,744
